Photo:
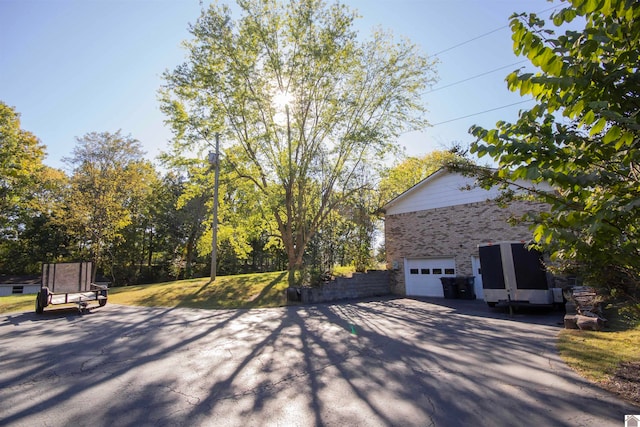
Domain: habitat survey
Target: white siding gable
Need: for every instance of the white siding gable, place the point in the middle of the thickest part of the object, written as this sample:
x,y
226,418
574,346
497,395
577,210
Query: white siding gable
x,y
441,189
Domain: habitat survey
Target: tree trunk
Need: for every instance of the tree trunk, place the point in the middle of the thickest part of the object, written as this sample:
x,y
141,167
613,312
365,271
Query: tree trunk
x,y
150,255
189,257
294,264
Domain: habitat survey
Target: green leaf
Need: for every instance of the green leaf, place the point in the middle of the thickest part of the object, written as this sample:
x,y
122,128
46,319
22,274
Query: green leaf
x,y
626,139
555,66
588,118
558,19
572,111
613,134
492,136
569,15
589,47
592,5
598,126
606,8
513,81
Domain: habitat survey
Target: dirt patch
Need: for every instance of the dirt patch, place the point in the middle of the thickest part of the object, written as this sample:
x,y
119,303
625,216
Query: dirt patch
x,y
626,382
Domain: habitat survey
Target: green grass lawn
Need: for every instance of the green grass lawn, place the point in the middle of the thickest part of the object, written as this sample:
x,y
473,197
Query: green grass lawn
x,y
597,355
241,291
17,303
609,358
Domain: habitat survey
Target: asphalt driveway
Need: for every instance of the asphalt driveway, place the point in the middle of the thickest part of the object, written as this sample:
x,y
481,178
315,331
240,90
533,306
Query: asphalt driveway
x,y
389,362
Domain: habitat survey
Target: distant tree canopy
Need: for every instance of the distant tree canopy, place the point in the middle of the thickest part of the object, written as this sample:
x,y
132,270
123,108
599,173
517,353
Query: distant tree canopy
x,y
29,191
304,108
21,156
582,137
108,186
137,226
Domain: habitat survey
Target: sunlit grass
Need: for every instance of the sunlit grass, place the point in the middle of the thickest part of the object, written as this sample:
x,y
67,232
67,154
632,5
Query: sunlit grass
x,y
343,271
241,291
17,303
597,355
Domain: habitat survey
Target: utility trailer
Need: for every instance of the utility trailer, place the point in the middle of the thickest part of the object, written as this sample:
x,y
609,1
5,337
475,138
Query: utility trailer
x,y
512,274
69,283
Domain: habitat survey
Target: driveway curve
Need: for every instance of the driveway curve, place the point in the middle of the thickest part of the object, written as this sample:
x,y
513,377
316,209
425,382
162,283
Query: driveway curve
x,y
387,362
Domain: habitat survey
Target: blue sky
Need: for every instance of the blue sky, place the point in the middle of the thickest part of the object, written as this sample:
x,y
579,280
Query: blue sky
x,y
70,67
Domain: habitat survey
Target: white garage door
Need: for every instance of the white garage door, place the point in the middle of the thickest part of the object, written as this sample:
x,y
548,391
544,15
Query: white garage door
x,y
422,276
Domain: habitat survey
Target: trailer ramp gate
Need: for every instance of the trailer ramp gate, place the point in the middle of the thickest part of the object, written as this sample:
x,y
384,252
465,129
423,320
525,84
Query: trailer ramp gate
x,y
69,283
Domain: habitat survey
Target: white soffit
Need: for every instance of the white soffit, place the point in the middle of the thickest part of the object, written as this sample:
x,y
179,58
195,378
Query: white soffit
x,y
443,189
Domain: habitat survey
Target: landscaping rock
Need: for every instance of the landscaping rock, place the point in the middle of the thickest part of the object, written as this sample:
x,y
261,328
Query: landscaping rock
x,y
586,323
570,321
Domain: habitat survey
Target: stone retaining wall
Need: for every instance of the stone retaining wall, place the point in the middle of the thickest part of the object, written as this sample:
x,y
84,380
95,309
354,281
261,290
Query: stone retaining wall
x,y
361,285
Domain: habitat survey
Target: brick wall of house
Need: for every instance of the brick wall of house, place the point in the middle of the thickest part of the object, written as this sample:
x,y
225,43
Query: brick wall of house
x,y
453,231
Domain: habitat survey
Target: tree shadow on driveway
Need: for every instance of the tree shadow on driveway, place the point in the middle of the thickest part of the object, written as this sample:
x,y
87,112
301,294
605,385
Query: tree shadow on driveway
x,y
381,362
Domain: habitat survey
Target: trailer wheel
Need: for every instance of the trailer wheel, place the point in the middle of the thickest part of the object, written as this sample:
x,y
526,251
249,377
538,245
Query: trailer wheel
x,y
39,307
102,302
44,297
491,304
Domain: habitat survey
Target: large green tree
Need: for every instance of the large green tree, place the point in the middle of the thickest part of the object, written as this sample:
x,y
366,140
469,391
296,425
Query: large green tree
x,y
240,219
133,250
21,155
300,102
582,137
39,234
175,225
29,196
109,183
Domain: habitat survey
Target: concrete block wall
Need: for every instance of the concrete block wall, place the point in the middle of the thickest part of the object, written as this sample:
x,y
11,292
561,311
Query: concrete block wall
x,y
361,285
454,231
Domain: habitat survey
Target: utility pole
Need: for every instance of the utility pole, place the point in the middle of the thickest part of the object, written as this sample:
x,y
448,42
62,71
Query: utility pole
x,y
214,161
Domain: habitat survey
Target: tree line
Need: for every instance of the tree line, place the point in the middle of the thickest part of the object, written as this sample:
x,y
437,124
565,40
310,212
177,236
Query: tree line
x,y
140,223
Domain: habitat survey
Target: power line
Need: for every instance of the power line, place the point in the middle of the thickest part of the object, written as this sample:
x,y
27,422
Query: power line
x,y
475,77
488,33
482,112
470,40
485,73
